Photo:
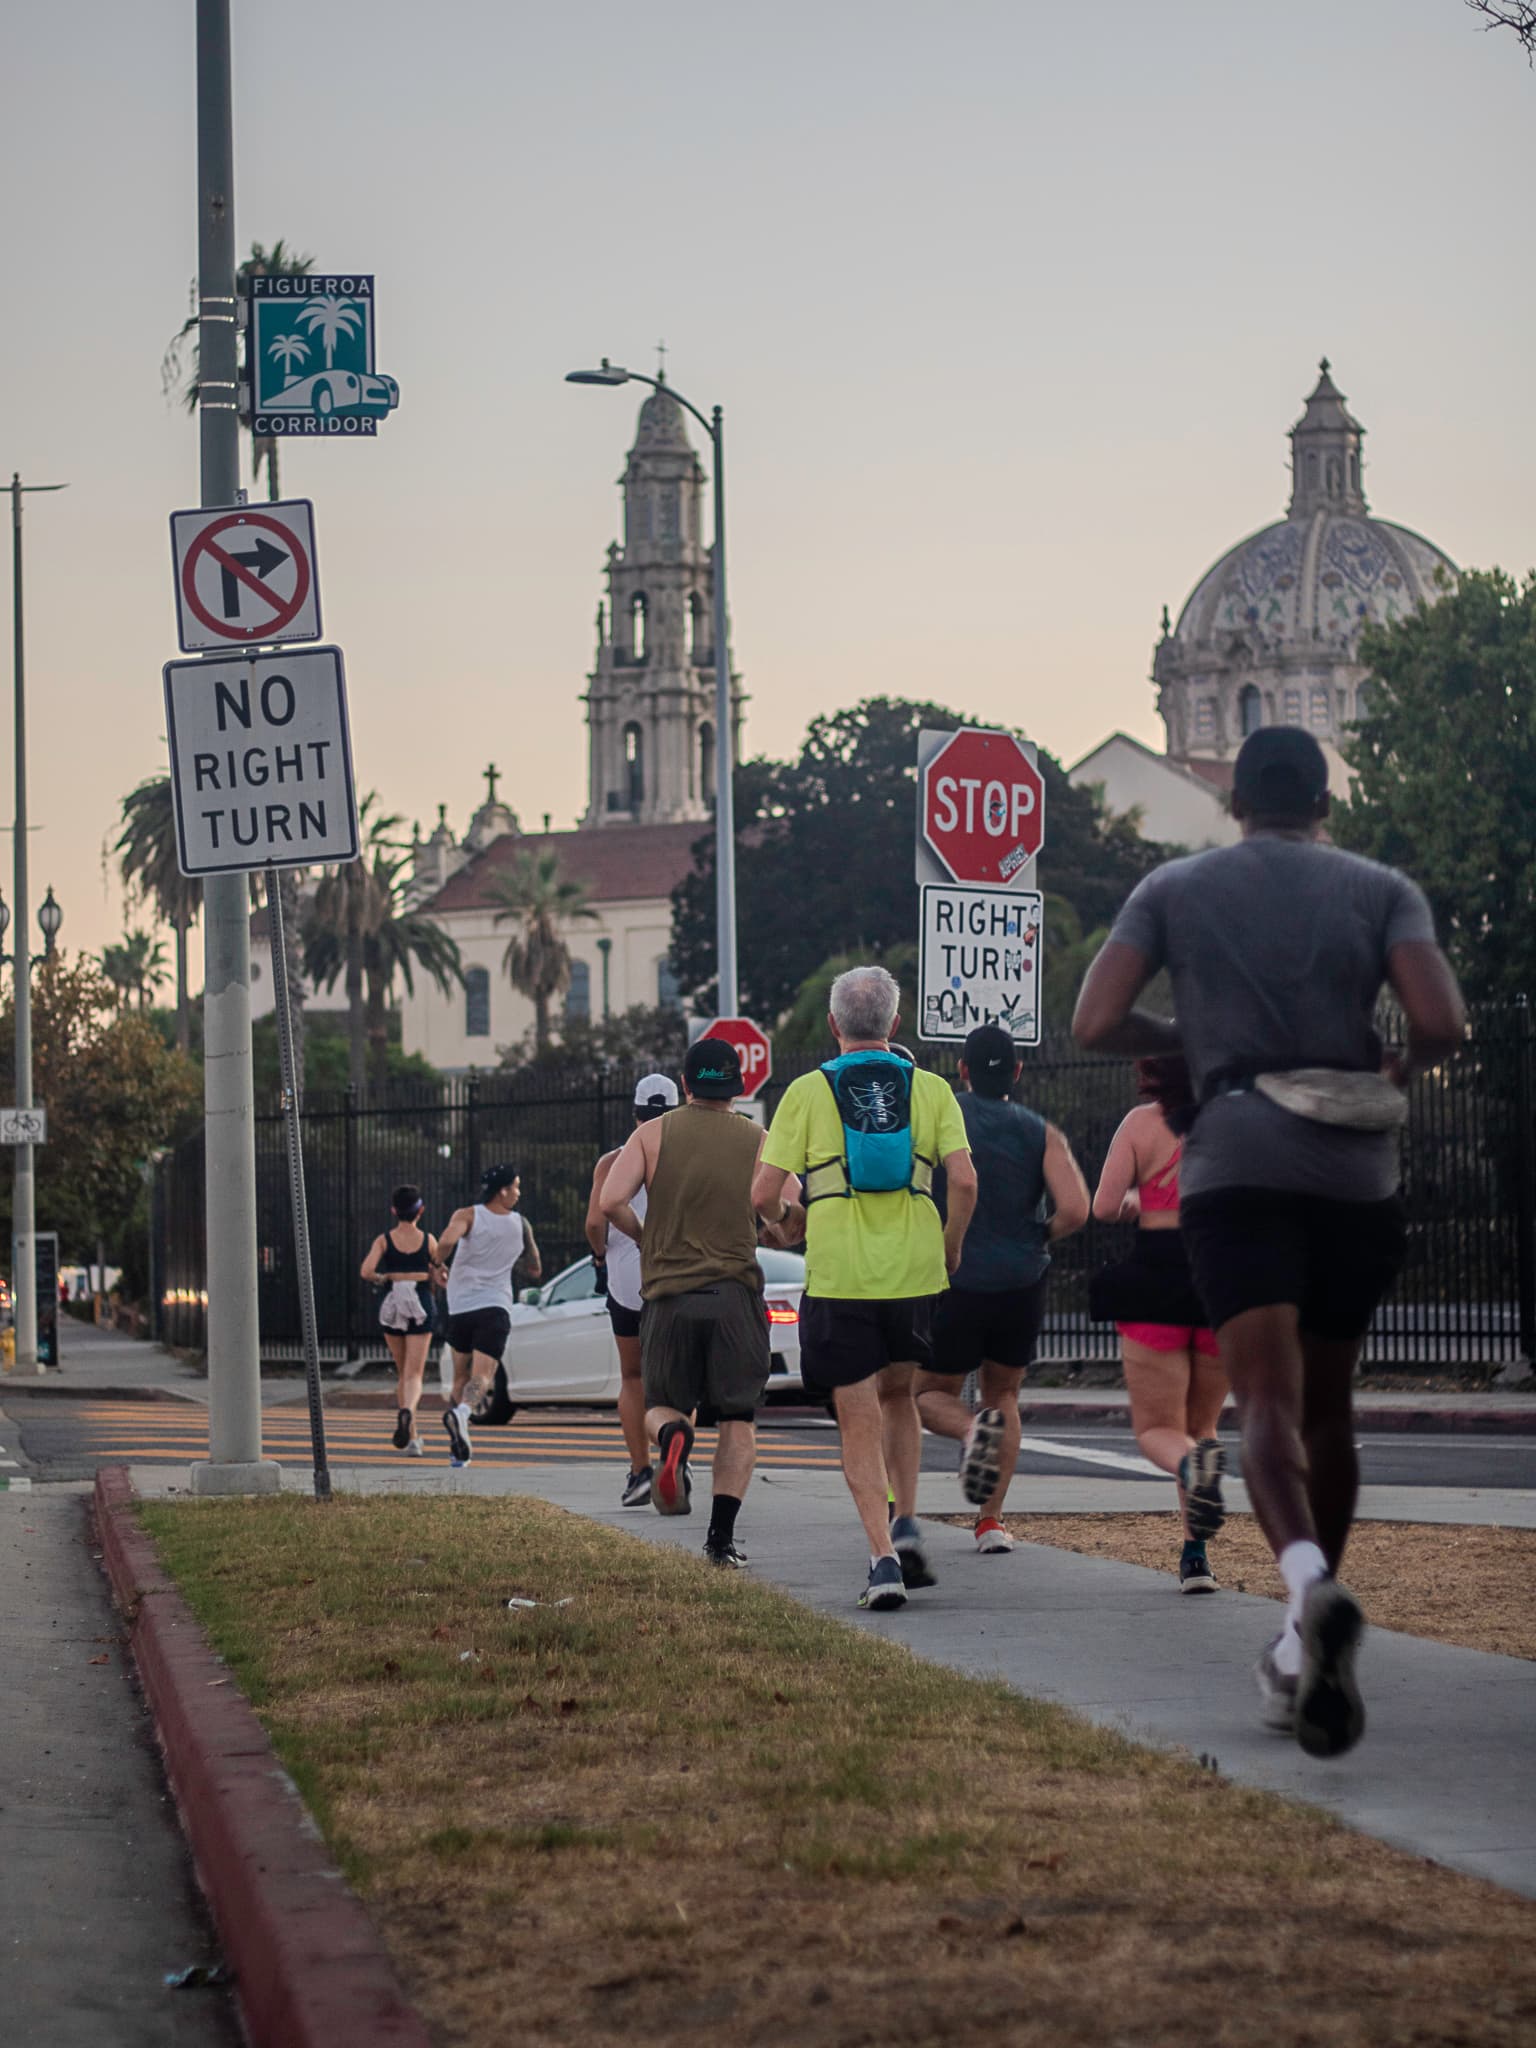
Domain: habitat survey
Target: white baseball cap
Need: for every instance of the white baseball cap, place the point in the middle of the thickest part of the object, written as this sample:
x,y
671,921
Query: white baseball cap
x,y
656,1091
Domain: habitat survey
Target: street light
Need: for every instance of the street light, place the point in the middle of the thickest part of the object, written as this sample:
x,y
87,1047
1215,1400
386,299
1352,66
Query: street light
x,y
50,917
725,730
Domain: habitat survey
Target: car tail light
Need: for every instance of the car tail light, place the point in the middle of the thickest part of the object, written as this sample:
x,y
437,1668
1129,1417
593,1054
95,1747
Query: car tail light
x,y
783,1312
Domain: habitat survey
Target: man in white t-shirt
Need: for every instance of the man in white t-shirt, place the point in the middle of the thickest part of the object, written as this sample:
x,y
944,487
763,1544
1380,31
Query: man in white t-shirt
x,y
486,1241
617,1262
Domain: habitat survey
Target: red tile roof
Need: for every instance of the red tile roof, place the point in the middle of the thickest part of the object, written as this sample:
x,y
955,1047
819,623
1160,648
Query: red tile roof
x,y
1218,773
618,863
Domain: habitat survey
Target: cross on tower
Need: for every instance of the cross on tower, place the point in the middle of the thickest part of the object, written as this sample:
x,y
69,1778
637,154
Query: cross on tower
x,y
661,361
492,774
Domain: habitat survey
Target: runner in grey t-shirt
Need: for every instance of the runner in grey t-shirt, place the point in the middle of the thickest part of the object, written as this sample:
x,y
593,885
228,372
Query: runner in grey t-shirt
x,y
1277,949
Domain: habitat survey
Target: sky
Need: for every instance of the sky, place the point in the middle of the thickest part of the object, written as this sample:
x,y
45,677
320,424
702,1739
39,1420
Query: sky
x,y
1009,306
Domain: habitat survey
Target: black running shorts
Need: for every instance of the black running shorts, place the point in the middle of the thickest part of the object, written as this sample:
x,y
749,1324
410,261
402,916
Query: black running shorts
x,y
480,1329
844,1341
1001,1328
706,1350
1264,1247
625,1321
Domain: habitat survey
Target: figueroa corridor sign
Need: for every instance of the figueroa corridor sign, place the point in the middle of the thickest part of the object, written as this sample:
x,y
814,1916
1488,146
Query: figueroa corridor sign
x,y
309,352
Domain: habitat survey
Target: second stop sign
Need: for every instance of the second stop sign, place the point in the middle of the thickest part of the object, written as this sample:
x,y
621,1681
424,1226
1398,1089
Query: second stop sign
x,y
983,807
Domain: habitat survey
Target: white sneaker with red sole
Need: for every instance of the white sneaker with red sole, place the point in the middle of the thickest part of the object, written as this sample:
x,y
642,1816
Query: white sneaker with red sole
x,y
992,1539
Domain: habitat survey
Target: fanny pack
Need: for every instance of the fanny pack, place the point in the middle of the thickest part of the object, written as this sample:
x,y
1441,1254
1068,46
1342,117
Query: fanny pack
x,y
1349,1098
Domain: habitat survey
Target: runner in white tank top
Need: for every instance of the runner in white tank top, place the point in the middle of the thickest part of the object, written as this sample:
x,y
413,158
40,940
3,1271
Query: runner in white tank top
x,y
617,1260
487,1241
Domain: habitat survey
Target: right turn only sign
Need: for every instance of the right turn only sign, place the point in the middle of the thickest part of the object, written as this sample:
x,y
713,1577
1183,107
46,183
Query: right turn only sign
x,y
980,962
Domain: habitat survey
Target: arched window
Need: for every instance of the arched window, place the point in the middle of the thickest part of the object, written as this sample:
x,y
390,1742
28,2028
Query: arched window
x,y
696,635
578,997
1317,709
1354,472
668,994
477,1002
637,611
1250,710
1335,477
634,767
707,761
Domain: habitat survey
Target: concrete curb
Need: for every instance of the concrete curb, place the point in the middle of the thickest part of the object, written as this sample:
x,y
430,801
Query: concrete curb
x,y
310,1971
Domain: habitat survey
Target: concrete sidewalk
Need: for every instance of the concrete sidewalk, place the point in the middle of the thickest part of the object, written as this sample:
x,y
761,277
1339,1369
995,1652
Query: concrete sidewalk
x,y
1447,1769
97,1900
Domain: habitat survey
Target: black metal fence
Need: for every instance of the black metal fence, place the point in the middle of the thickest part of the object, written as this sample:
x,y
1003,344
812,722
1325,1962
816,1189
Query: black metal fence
x,y
1466,1298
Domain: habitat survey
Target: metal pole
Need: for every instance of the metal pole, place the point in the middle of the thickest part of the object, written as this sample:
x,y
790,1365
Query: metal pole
x,y
294,1134
234,1463
24,1210
725,750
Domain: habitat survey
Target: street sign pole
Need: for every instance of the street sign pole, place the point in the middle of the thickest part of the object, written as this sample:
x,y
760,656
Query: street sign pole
x,y
294,1134
234,1463
727,992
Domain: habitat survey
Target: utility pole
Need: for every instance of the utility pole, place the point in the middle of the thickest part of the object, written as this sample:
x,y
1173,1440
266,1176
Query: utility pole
x,y
234,1463
24,1197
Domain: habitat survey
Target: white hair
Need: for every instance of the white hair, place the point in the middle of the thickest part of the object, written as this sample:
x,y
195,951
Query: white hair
x,y
864,1003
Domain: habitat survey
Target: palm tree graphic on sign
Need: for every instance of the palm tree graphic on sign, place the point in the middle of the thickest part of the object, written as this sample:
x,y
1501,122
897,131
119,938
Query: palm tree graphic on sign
x,y
289,349
334,319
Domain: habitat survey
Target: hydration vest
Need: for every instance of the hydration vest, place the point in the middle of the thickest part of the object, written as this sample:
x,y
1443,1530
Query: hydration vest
x,y
873,1094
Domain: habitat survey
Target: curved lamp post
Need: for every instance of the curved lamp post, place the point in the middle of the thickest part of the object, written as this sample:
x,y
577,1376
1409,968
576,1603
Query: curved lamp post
x,y
725,730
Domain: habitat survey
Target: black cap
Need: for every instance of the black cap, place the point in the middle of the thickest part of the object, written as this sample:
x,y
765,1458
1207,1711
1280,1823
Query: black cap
x,y
990,1058
494,1179
712,1070
1281,772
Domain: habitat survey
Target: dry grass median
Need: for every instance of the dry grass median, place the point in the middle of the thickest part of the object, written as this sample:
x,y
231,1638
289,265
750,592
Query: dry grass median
x,y
681,1807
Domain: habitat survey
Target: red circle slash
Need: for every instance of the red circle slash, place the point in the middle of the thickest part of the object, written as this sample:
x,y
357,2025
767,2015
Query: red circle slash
x,y
284,610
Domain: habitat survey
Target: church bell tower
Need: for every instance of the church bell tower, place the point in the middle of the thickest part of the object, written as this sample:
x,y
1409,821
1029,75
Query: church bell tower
x,y
651,700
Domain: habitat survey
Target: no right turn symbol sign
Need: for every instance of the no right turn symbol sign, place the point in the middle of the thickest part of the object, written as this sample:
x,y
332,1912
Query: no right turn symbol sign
x,y
245,576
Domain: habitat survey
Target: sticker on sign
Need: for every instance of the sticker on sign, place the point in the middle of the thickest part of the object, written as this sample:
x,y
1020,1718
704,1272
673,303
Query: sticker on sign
x,y
246,578
261,761
980,962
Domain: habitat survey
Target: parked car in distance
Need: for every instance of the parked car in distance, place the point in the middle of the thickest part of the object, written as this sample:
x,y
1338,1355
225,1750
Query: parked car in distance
x,y
561,1348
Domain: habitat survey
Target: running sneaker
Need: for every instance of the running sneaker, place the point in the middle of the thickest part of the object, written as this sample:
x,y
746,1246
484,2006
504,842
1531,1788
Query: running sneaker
x,y
981,1457
405,1428
1330,1714
911,1553
671,1486
1200,1473
415,1448
885,1588
458,1439
1196,1576
1277,1692
637,1489
726,1555
992,1539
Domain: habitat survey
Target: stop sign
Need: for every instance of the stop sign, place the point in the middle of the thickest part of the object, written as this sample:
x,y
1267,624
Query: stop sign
x,y
752,1049
981,807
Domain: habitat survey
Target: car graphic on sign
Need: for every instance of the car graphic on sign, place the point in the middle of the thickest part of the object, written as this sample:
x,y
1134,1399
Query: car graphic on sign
x,y
328,392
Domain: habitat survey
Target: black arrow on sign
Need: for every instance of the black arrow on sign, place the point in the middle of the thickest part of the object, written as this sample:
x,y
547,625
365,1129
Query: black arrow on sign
x,y
263,558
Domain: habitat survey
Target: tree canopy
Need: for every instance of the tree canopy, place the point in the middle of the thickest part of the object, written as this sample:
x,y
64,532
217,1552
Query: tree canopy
x,y
825,855
1445,761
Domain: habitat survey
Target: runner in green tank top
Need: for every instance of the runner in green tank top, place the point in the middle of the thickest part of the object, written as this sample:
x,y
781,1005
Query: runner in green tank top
x,y
703,1328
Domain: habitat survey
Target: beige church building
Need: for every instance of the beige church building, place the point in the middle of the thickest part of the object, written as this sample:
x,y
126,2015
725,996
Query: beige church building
x,y
651,747
1268,636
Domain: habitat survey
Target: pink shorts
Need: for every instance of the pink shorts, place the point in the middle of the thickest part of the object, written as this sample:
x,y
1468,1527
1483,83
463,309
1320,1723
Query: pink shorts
x,y
1171,1337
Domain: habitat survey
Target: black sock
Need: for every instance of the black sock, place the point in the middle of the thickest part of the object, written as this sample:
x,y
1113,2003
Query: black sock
x,y
1194,1546
722,1518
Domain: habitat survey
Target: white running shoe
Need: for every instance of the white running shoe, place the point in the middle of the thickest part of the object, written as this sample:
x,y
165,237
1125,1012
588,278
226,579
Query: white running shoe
x,y
992,1539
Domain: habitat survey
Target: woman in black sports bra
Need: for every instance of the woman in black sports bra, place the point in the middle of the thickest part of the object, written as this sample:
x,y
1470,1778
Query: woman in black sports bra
x,y
400,1260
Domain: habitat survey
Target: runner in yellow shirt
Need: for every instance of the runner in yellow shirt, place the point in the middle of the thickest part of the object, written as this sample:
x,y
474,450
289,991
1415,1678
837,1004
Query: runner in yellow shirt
x,y
865,1133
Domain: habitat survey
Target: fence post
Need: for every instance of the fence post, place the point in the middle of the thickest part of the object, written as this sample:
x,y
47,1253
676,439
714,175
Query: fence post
x,y
349,1211
472,1135
1525,1179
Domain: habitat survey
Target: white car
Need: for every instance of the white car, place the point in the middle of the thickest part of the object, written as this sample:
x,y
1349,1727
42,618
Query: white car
x,y
562,1349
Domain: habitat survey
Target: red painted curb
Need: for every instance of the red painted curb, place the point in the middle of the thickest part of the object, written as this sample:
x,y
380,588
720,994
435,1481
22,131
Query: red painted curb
x,y
310,1971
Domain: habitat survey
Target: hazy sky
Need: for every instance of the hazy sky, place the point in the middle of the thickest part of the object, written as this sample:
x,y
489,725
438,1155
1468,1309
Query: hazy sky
x,y
1009,306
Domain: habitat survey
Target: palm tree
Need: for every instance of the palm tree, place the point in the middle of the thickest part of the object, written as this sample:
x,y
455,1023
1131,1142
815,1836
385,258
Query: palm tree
x,y
179,365
332,317
135,966
147,859
362,931
538,899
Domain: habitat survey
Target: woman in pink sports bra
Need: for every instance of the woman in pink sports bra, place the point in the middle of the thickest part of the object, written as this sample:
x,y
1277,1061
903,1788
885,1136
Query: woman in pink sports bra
x,y
1172,1372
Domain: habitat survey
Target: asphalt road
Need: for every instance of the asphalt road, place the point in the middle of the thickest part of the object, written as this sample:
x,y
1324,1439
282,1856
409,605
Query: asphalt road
x,y
56,1439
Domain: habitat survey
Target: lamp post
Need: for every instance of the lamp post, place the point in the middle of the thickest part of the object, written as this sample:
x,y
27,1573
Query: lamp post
x,y
49,918
24,1205
605,948
725,731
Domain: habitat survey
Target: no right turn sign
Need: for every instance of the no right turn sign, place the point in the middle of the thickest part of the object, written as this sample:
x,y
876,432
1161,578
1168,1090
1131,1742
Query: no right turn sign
x,y
245,576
